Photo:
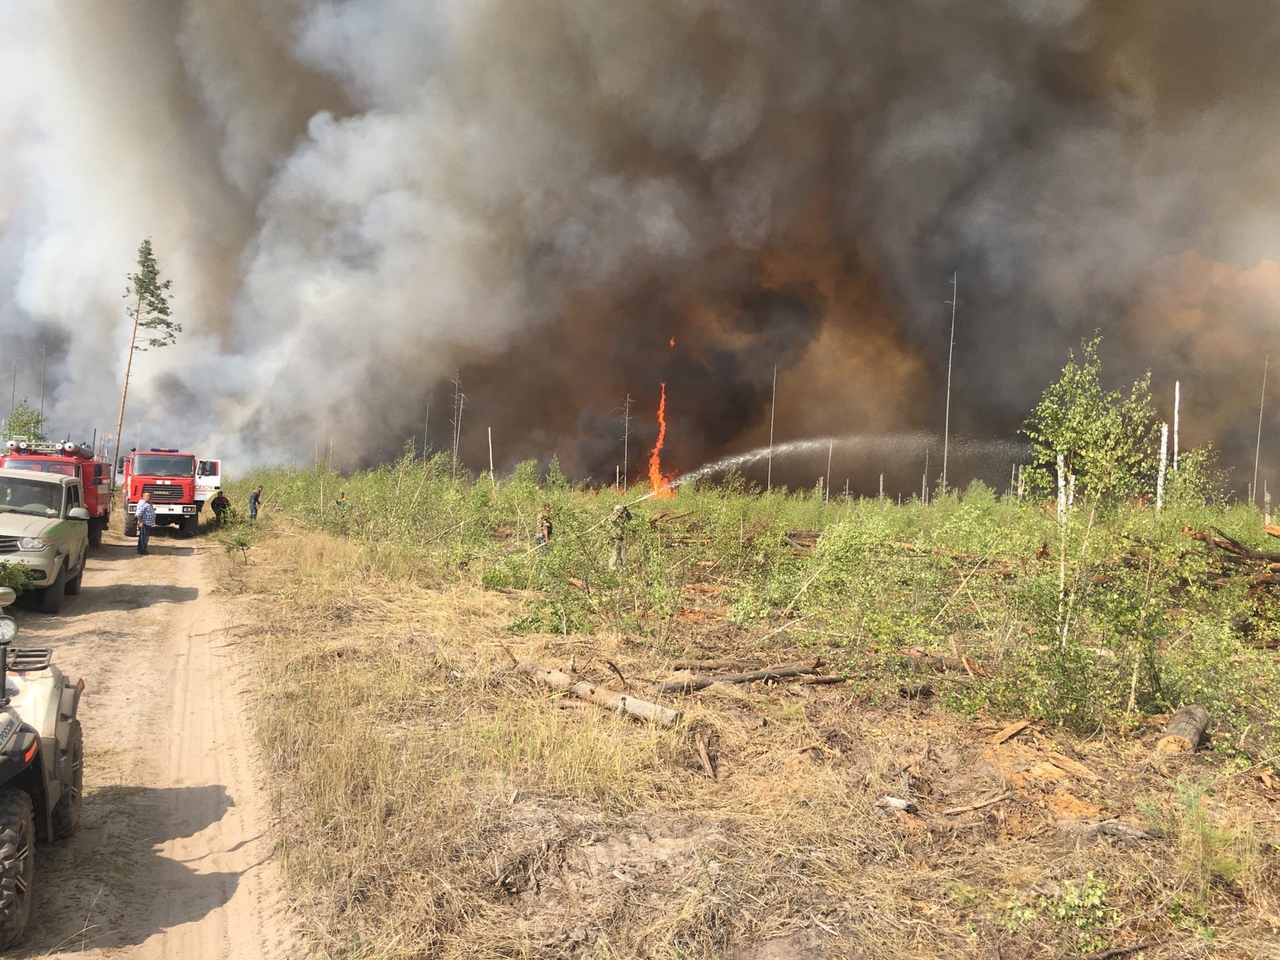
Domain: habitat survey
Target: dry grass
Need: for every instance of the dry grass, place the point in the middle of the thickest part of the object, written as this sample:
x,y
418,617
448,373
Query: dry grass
x,y
433,803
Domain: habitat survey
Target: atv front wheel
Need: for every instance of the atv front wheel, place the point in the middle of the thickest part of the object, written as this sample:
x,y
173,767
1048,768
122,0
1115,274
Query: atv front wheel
x,y
66,812
17,864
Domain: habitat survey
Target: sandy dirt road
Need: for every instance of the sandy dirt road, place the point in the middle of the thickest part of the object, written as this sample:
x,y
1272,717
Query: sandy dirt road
x,y
172,858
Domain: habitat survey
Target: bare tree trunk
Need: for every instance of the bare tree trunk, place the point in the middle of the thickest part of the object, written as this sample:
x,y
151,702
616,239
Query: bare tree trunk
x,y
124,392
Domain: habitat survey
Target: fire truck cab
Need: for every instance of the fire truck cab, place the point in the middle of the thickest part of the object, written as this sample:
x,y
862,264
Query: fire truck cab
x,y
208,481
70,460
170,477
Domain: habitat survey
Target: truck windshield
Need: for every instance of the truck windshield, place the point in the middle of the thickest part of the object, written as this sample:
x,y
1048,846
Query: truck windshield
x,y
38,499
45,466
163,465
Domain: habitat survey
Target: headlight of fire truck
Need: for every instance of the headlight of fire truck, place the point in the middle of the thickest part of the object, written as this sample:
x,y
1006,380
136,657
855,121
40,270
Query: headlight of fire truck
x,y
33,543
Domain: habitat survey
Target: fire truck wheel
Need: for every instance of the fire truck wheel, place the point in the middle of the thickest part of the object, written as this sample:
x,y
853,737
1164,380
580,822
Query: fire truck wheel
x,y
95,532
51,596
17,864
130,525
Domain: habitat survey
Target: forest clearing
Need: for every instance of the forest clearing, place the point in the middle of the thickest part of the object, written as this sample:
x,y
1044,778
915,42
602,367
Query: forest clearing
x,y
926,744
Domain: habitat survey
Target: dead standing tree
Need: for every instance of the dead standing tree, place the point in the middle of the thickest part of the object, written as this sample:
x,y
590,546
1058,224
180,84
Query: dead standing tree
x,y
459,402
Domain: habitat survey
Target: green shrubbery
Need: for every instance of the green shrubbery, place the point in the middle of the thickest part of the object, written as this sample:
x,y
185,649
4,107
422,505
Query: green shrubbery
x,y
1093,621
15,575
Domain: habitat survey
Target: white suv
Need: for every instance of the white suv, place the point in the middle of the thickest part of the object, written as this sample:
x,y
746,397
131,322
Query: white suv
x,y
44,526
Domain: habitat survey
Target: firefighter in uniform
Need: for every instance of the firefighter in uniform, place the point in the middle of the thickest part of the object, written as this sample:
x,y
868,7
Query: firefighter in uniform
x,y
618,537
220,505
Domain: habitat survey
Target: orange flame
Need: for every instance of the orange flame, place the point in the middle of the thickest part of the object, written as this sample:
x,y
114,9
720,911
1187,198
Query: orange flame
x,y
658,483
672,342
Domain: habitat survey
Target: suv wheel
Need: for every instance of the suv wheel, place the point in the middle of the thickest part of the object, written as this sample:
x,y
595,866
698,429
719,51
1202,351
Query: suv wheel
x,y
73,583
51,596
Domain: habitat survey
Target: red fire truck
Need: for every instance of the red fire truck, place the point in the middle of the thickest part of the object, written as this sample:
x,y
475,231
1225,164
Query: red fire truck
x,y
71,460
170,477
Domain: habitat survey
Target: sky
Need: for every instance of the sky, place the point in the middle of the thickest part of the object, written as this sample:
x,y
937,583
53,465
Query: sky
x,y
368,206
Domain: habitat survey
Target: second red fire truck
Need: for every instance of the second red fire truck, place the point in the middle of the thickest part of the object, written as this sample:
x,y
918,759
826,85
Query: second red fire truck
x,y
71,460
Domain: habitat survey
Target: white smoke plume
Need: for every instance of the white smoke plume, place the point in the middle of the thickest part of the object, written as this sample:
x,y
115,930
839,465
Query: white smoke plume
x,y
359,200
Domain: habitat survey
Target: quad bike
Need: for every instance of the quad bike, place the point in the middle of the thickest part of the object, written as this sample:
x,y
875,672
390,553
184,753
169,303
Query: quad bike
x,y
41,767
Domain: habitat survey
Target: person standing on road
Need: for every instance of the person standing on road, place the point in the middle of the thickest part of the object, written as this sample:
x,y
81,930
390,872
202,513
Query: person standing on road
x,y
146,515
255,498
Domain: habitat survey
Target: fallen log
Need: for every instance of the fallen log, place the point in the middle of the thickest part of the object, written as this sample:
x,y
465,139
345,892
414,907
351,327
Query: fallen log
x,y
1184,731
601,696
1127,834
802,541
692,683
1231,545
1252,554
717,664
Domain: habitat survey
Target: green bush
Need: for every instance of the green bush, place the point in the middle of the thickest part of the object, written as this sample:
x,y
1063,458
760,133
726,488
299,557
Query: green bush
x,y
16,576
1092,622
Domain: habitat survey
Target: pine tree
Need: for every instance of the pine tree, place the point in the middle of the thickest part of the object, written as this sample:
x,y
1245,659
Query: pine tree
x,y
148,307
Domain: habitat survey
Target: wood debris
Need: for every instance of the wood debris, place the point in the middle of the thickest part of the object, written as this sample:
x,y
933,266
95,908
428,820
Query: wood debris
x,y
599,695
1127,833
802,541
690,683
928,662
1011,731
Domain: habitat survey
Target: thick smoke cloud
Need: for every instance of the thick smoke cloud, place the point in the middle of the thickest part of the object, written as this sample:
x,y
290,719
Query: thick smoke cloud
x,y
363,201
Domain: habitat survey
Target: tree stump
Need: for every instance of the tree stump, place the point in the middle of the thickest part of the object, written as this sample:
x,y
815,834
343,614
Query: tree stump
x,y
1184,731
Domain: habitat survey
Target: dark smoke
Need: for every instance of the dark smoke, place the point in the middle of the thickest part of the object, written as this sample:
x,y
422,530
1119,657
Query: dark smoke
x,y
361,201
